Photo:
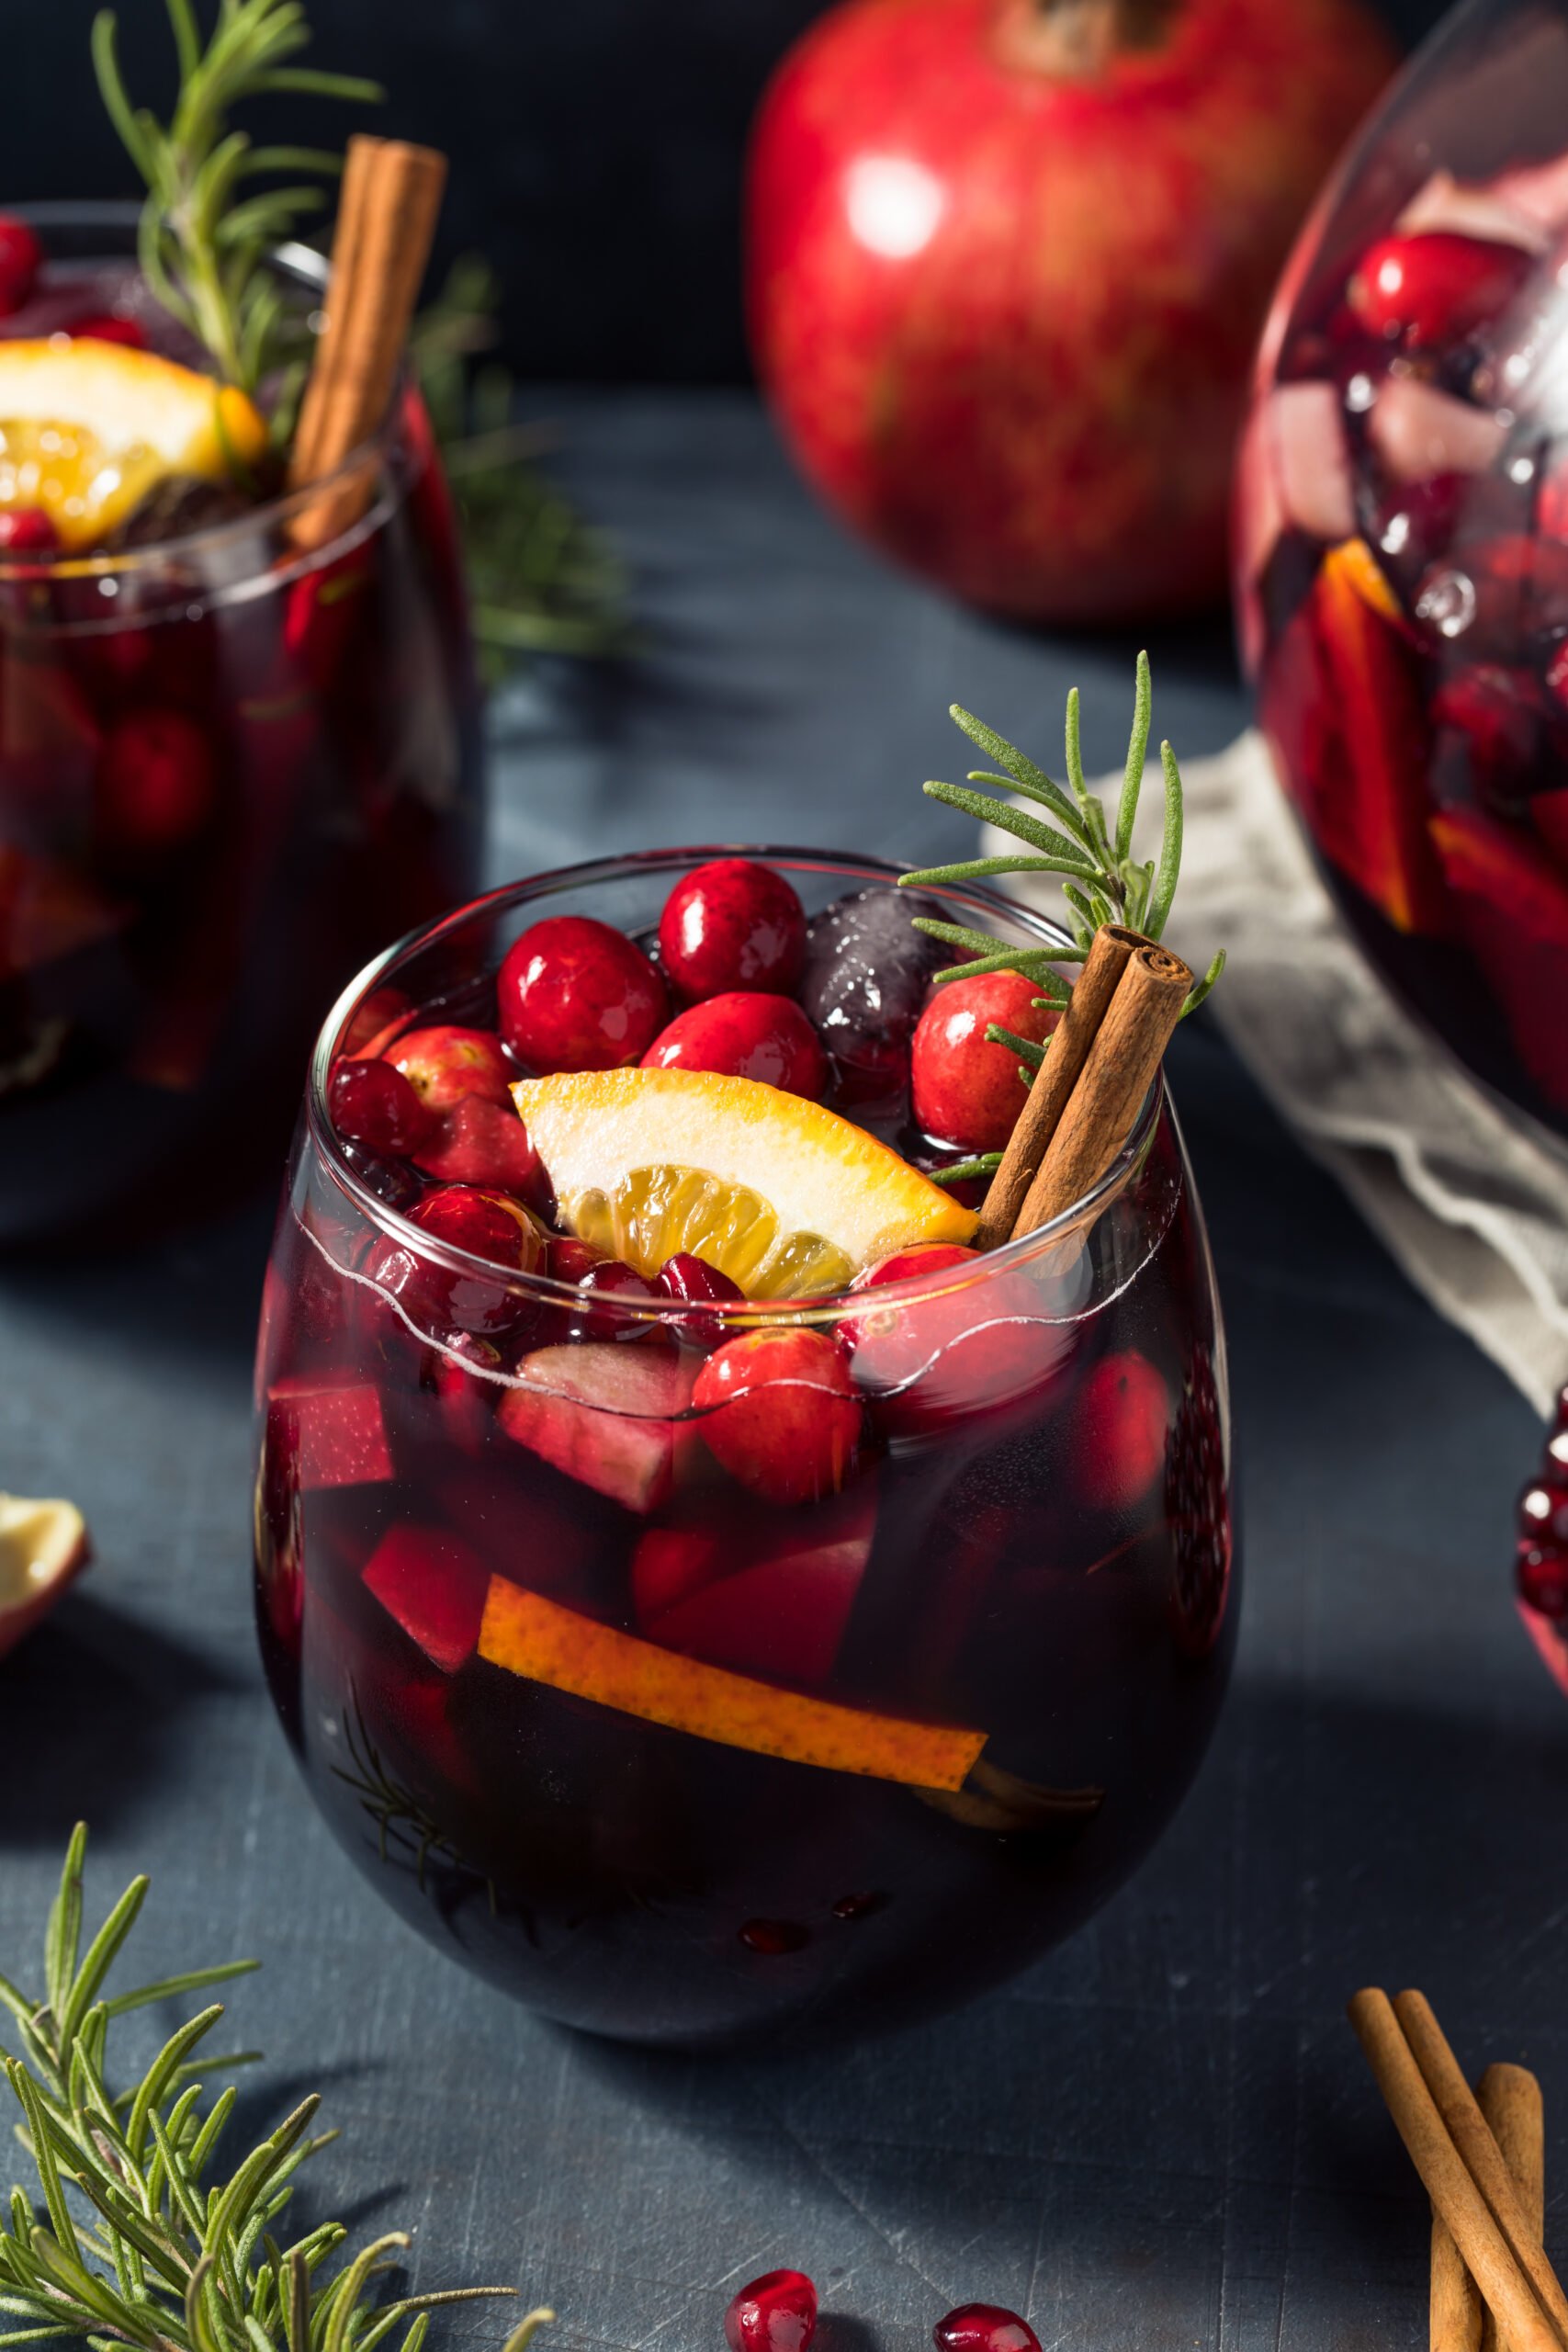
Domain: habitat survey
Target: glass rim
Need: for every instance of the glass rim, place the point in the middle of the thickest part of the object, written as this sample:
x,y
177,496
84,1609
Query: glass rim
x,y
672,1313
310,268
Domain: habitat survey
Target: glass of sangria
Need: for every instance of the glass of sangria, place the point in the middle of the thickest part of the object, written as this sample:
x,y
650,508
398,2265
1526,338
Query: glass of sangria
x,y
701,1592
1402,543
233,759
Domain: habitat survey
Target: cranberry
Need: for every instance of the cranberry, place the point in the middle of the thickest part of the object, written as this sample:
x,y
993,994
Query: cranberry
x,y
373,1103
746,1036
21,258
27,530
732,924
485,1224
608,1288
687,1277
1437,286
778,2312
567,1259
1119,1422
155,781
963,1087
983,2327
775,1937
390,1179
577,994
779,1410
921,1257
445,1066
483,1143
932,1362
108,326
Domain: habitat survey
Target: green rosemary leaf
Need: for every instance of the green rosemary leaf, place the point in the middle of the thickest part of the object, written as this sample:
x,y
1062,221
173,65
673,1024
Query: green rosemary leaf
x,y
1024,1047
974,870
528,2327
961,1172
156,2083
322,85
1007,755
64,1934
1093,814
1195,994
100,1958
171,1988
1007,960
1010,819
1048,795
1137,752
1163,889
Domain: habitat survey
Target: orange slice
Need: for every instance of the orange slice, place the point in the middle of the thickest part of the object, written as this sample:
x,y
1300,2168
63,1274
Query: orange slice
x,y
545,1643
88,428
784,1197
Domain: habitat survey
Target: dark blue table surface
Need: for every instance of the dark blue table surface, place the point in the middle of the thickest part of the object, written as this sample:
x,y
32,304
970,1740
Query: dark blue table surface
x,y
1162,2136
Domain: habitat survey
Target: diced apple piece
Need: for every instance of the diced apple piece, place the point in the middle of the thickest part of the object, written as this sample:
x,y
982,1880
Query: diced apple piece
x,y
606,1414
773,1598
482,1143
42,1546
435,1587
1312,459
1418,431
542,1641
334,1429
1495,211
1513,908
1533,195
1342,713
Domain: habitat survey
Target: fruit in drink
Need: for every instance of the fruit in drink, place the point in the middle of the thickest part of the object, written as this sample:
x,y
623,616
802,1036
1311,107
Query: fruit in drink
x,y
745,1034
732,924
779,1409
577,994
965,1088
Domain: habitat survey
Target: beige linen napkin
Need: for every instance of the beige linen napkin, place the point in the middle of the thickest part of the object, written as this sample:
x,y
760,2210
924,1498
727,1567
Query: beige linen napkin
x,y
1474,1209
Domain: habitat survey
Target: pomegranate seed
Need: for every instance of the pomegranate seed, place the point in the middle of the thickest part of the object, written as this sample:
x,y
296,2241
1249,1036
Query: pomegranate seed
x,y
983,2327
1540,1575
857,1906
777,2312
373,1103
772,1937
690,1278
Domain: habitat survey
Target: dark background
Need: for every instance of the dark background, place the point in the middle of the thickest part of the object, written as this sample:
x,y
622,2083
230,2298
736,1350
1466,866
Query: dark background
x,y
596,150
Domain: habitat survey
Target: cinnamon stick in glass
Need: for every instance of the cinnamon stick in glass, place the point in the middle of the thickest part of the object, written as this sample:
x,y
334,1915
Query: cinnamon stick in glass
x,y
1486,2252
1053,1082
1510,2099
1117,1073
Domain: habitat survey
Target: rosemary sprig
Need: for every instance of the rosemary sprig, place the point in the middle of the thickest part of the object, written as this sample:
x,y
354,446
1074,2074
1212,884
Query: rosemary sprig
x,y
1103,882
202,240
130,2239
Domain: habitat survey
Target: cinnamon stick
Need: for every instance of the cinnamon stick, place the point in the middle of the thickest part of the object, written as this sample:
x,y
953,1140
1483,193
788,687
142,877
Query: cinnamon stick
x,y
1509,2098
1467,2128
1053,1082
1487,2254
1116,1075
394,194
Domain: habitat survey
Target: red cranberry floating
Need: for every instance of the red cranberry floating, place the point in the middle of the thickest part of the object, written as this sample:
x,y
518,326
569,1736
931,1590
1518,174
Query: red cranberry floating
x,y
373,1103
485,1225
610,1287
1435,286
27,530
1120,1418
108,326
963,1087
568,1260
777,2312
483,1143
155,781
446,1064
732,924
983,2327
779,1409
577,994
21,258
746,1036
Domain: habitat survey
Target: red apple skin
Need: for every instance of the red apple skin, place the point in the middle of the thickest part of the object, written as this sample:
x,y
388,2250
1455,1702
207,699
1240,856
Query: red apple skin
x,y
1006,317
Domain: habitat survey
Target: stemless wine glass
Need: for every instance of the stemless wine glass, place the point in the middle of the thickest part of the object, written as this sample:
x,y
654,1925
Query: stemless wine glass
x,y
663,1759
1402,542
231,763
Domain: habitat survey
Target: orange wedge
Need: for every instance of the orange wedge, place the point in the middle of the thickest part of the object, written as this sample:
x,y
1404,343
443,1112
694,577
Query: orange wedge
x,y
88,428
784,1197
545,1643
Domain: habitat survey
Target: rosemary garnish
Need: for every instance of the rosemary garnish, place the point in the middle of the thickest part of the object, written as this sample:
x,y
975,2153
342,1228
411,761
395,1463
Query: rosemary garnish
x,y
1103,882
203,243
158,2253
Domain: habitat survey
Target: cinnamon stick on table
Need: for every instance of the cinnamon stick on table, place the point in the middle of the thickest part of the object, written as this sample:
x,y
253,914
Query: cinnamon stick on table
x,y
1510,2099
392,193
1491,2260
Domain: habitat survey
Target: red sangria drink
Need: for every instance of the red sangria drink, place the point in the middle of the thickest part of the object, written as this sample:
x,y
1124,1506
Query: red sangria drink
x,y
704,1589
238,739
1401,545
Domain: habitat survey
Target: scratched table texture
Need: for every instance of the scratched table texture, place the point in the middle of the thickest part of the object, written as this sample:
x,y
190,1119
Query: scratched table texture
x,y
1161,2136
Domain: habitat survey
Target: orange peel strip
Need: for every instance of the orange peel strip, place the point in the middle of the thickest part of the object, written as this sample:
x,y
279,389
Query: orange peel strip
x,y
539,1639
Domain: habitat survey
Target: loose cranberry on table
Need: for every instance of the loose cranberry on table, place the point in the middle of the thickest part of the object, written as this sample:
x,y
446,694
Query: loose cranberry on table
x,y
372,1103
777,2312
732,924
1435,286
983,2327
155,781
574,993
779,1409
965,1088
742,1035
21,258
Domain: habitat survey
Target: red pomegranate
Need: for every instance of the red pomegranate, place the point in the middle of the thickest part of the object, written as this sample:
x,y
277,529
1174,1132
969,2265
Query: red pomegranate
x,y
1008,262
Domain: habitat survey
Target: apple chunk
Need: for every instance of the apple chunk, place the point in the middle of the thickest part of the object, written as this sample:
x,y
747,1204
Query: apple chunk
x,y
772,1598
604,1414
435,1587
42,1546
334,1427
